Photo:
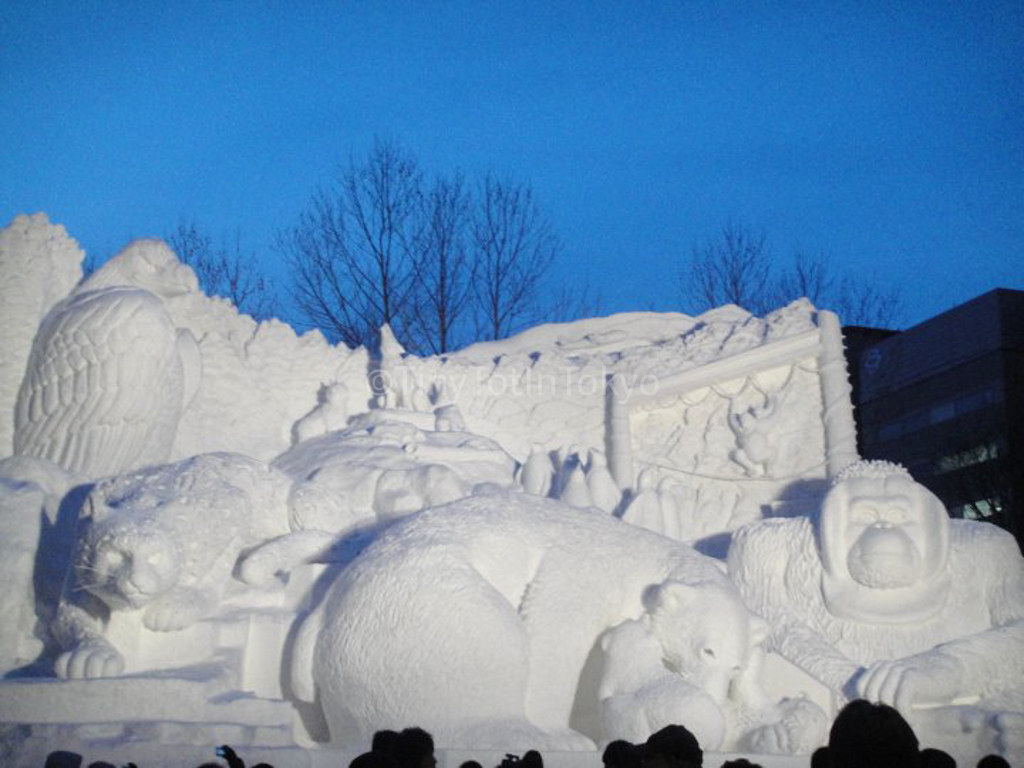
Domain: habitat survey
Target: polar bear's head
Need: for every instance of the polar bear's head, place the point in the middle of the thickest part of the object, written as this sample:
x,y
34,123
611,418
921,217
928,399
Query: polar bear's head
x,y
705,633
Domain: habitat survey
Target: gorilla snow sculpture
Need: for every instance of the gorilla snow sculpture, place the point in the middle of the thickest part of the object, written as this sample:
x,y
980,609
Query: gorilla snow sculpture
x,y
477,619
889,600
107,380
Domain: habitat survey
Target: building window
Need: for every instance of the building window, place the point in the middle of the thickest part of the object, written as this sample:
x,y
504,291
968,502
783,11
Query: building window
x,y
968,458
981,509
919,418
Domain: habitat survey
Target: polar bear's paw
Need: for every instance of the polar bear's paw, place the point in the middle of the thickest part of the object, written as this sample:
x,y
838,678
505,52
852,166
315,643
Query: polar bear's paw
x,y
799,727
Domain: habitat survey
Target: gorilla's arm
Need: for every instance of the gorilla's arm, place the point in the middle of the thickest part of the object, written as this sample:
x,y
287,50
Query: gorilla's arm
x,y
775,565
799,644
960,671
976,665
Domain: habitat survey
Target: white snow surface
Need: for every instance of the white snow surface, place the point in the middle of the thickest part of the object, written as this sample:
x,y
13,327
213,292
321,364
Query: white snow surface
x,y
508,544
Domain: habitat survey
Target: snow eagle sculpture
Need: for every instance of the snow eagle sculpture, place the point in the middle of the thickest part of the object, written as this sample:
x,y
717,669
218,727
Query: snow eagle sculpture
x,y
107,380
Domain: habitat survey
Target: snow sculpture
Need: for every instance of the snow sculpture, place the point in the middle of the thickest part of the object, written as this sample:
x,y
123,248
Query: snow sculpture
x,y
604,491
537,472
885,599
329,414
148,264
30,494
491,655
39,265
383,467
448,418
573,489
163,541
106,383
389,463
644,688
752,427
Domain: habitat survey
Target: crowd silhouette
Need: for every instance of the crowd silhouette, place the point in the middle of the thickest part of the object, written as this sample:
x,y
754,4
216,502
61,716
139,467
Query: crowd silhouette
x,y
863,735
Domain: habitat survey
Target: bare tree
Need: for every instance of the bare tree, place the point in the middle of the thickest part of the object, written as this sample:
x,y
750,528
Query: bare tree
x,y
572,302
440,262
734,268
514,248
739,268
443,272
351,253
856,302
224,269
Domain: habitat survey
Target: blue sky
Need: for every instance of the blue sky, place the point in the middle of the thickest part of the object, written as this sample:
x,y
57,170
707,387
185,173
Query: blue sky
x,y
889,135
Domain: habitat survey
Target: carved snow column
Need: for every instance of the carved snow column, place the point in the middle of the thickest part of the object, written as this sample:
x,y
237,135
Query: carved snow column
x,y
836,396
618,440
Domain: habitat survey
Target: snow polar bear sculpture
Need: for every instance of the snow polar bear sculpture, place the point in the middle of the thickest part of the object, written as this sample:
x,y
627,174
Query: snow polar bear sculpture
x,y
710,683
164,541
886,598
475,621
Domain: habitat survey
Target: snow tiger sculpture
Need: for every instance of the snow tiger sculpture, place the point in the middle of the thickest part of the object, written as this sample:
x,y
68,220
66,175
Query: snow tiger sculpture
x,y
888,599
476,620
163,541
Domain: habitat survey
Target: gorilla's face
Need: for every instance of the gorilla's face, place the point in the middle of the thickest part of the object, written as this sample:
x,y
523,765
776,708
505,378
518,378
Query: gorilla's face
x,y
883,530
883,545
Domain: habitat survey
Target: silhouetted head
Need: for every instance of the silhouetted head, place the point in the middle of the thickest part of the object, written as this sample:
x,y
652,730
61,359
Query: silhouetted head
x,y
622,754
672,747
414,748
384,741
820,758
993,761
532,759
872,734
374,759
63,759
740,763
936,758
471,764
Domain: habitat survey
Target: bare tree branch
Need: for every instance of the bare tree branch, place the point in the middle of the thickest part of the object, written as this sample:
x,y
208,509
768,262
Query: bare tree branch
x,y
731,269
351,253
739,268
514,248
444,273
224,269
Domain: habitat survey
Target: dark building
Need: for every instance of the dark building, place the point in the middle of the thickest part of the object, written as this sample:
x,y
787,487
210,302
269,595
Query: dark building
x,y
945,398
